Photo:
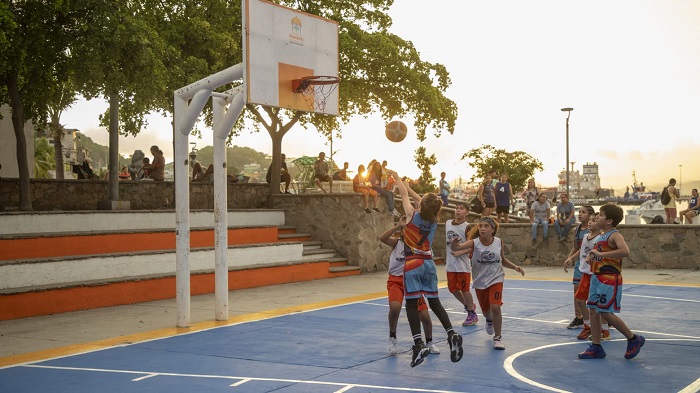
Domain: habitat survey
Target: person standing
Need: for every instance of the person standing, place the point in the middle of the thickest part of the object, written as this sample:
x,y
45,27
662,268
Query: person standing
x,y
670,207
444,189
487,196
420,274
530,194
457,264
488,261
539,215
395,290
605,294
504,199
565,216
321,172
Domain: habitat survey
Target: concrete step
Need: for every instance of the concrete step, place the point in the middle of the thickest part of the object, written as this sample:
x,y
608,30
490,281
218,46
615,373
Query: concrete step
x,y
299,237
312,245
318,254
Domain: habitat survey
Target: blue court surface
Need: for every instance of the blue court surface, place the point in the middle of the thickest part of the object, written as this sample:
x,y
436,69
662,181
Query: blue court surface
x,y
343,349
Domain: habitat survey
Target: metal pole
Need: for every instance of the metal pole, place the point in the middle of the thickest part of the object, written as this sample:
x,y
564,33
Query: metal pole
x,y
680,176
567,147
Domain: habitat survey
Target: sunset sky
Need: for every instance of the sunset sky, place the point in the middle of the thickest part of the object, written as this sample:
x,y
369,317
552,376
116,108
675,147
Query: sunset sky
x,y
628,68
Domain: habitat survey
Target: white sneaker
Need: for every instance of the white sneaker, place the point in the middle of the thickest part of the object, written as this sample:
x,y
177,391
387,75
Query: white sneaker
x,y
489,328
498,343
433,348
395,213
393,348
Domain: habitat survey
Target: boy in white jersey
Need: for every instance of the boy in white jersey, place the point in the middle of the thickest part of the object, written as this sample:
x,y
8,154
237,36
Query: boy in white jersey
x,y
457,264
581,295
395,289
584,215
488,261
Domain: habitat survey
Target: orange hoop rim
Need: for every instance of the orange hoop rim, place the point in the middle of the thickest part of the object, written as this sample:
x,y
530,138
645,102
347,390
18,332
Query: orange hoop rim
x,y
299,85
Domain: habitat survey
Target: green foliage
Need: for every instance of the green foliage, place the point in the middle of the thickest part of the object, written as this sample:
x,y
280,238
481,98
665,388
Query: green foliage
x,y
43,158
99,153
236,158
518,165
426,181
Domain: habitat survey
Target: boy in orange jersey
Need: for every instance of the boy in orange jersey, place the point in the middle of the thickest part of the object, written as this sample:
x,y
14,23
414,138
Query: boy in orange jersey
x,y
605,292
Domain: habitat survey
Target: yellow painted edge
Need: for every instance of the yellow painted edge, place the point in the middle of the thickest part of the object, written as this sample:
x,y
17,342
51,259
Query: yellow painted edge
x,y
174,331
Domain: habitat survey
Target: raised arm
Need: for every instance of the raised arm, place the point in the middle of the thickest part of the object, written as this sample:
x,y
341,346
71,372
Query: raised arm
x,y
387,237
403,191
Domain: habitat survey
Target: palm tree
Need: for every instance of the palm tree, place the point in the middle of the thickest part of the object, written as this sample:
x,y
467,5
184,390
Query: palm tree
x,y
43,158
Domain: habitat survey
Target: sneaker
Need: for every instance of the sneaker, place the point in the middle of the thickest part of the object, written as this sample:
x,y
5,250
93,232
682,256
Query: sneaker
x,y
604,335
575,323
367,210
471,320
420,351
498,343
433,348
634,346
375,209
456,352
593,352
561,238
489,327
585,333
395,213
534,241
393,348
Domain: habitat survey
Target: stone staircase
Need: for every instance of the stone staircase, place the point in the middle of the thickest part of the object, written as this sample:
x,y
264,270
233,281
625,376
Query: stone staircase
x,y
48,265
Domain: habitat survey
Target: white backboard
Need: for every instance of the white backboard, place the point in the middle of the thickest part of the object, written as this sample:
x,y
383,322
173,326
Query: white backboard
x,y
281,44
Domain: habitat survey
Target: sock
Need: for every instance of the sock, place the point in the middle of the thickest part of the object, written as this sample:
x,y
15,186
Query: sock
x,y
489,322
428,339
449,332
633,338
392,334
417,339
597,345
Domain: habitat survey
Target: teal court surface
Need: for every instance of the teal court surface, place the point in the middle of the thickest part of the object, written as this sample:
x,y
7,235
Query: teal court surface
x,y
343,349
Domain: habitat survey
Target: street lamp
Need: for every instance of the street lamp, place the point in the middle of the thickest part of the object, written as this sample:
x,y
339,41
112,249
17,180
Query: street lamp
x,y
680,176
567,147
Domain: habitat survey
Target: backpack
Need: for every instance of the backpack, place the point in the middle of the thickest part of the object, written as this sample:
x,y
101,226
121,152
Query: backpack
x,y
665,196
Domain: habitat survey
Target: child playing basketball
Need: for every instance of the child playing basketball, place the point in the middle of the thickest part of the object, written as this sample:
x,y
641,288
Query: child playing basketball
x,y
457,264
395,289
487,265
605,294
581,295
584,215
420,274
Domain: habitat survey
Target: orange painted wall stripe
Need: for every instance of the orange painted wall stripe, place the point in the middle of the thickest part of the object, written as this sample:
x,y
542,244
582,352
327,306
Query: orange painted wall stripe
x,y
62,246
31,304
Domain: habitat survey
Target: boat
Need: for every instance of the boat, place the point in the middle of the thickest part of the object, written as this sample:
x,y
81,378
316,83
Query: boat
x,y
648,210
520,206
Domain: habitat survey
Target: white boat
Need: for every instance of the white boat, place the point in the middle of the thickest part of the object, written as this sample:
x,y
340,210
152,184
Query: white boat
x,y
520,206
648,210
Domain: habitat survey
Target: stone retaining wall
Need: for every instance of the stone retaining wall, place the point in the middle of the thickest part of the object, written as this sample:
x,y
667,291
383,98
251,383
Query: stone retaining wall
x,y
51,194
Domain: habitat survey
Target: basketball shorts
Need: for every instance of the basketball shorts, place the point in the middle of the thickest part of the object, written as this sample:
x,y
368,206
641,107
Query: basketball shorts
x,y
490,296
503,209
394,288
326,178
583,287
605,293
458,281
577,273
420,278
490,205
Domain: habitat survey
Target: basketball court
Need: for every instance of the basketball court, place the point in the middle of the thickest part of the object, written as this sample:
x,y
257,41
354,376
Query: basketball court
x,y
342,348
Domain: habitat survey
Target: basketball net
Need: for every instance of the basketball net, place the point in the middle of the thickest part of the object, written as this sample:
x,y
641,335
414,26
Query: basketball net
x,y
316,89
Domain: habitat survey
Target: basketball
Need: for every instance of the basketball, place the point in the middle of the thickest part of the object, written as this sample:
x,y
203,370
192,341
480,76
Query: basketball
x,y
396,131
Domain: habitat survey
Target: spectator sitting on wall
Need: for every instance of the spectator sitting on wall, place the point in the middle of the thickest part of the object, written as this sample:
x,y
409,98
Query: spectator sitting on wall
x,y
342,174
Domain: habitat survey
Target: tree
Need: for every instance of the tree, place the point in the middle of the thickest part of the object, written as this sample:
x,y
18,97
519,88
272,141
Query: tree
x,y
60,97
426,181
518,165
43,158
34,38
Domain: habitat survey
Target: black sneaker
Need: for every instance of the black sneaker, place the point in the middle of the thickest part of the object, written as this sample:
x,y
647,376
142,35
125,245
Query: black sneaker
x,y
576,323
456,352
420,352
375,209
367,210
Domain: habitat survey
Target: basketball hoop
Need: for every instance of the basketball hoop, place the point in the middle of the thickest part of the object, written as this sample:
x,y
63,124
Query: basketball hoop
x,y
315,89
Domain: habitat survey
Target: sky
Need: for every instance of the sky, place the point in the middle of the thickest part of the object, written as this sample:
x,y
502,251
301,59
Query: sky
x,y
629,68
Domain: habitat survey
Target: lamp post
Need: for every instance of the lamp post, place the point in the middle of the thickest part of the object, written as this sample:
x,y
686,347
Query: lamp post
x,y
567,147
680,176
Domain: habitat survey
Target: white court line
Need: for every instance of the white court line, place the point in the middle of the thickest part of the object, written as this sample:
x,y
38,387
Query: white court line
x,y
624,294
692,388
508,364
344,386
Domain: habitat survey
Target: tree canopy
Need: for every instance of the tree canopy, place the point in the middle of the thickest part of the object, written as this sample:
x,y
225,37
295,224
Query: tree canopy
x,y
518,165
